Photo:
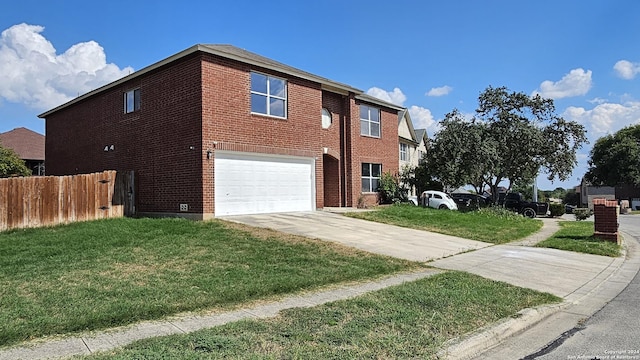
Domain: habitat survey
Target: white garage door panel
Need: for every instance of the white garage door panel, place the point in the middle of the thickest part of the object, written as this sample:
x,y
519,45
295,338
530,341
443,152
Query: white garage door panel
x,y
253,184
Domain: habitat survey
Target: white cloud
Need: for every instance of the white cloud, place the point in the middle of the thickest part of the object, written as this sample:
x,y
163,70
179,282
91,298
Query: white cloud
x,y
33,74
439,91
605,118
597,100
626,69
423,119
577,82
395,97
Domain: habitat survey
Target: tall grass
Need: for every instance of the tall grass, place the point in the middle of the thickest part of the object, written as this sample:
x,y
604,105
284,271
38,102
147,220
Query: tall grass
x,y
488,225
100,274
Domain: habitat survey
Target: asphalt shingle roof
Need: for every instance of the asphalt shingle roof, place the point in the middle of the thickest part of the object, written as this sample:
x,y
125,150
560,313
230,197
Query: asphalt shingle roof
x,y
28,144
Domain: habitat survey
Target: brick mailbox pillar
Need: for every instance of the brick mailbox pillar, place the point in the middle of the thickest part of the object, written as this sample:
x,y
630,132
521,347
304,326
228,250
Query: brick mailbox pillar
x,y
606,214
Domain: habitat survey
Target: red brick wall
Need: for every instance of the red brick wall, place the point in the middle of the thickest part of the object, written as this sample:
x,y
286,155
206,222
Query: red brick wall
x,y
605,214
383,150
227,119
202,103
155,141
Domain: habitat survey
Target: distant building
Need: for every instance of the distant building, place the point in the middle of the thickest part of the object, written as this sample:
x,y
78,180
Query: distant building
x,y
627,192
29,145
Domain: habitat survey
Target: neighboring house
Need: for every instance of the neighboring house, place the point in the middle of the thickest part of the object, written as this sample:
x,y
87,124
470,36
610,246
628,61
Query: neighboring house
x,y
216,130
627,192
589,192
421,149
407,140
29,145
630,193
412,144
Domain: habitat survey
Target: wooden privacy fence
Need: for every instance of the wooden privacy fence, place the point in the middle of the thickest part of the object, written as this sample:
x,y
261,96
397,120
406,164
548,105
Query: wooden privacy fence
x,y
51,200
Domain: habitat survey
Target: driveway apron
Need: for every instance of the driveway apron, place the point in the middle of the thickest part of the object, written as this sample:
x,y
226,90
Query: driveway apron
x,y
562,273
403,243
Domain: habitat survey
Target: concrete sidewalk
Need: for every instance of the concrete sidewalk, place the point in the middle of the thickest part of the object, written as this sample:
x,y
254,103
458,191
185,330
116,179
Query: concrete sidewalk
x,y
583,279
517,337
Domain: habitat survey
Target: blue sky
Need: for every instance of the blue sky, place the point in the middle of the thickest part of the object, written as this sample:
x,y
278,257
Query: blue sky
x,y
429,56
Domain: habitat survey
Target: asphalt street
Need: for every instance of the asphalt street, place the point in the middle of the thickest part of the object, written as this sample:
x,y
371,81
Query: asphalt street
x,y
611,333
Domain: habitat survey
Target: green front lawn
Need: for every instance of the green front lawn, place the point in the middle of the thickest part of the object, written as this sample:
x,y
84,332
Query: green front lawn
x,y
101,274
578,236
409,321
495,227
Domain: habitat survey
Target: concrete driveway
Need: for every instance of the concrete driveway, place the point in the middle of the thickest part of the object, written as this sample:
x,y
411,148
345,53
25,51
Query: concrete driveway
x,y
370,236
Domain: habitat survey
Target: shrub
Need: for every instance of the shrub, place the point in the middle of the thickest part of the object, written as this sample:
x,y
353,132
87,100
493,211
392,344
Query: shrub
x,y
582,213
390,189
556,210
498,212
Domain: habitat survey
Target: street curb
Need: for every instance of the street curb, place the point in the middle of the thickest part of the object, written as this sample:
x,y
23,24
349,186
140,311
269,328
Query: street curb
x,y
470,345
489,336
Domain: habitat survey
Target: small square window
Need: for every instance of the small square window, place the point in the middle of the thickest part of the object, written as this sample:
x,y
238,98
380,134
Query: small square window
x,y
132,101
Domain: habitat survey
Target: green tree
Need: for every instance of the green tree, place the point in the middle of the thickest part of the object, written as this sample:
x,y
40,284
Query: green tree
x,y
11,164
391,190
511,138
420,177
457,155
615,159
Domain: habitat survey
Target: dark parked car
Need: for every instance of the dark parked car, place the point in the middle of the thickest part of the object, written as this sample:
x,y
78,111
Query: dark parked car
x,y
470,201
516,202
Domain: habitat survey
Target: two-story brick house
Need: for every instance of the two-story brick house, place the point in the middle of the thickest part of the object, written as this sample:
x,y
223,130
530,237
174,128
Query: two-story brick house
x,y
216,130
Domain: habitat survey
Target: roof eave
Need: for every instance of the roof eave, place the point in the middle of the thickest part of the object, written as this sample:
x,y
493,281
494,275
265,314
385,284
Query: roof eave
x,y
373,100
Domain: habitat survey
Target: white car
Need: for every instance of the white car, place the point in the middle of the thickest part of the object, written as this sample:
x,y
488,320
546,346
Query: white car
x,y
437,200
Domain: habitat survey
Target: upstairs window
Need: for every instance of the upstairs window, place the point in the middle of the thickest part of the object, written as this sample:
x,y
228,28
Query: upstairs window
x,y
131,101
268,95
371,177
404,152
369,121
326,118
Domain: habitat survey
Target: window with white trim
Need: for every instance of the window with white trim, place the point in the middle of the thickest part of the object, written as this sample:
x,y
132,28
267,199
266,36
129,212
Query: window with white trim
x,y
131,101
268,95
369,121
404,152
326,118
371,177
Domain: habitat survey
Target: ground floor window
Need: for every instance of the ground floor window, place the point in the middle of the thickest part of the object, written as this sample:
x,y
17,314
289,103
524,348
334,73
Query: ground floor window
x,y
371,177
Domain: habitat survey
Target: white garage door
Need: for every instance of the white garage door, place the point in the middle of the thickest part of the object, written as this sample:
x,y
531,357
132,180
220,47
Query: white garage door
x,y
253,183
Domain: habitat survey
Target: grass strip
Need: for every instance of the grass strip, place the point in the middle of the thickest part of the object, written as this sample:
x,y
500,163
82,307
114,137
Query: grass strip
x,y
408,321
485,225
106,273
578,236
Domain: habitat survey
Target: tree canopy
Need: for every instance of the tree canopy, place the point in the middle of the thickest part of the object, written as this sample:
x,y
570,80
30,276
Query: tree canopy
x,y
11,164
615,159
512,137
